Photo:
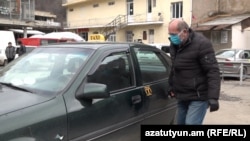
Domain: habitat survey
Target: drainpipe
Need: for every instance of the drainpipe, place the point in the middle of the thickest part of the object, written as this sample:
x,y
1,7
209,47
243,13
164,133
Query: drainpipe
x,y
10,10
218,6
24,32
191,12
29,9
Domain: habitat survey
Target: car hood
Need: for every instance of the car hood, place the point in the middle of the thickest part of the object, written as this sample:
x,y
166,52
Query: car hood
x,y
12,100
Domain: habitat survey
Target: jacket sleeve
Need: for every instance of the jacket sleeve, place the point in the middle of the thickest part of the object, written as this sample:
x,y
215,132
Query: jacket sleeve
x,y
210,67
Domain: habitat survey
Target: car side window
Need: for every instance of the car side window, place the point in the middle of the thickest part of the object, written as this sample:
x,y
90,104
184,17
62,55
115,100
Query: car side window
x,y
151,66
114,71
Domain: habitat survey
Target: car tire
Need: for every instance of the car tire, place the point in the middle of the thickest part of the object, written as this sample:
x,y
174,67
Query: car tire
x,y
5,62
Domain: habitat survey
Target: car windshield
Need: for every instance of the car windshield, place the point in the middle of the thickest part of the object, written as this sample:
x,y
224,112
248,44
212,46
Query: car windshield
x,y
45,70
226,53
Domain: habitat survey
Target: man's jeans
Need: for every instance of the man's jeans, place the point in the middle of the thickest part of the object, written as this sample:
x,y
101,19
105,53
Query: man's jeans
x,y
191,112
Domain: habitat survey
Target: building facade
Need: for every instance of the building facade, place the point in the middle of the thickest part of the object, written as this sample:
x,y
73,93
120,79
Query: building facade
x,y
22,15
125,20
54,7
147,20
225,22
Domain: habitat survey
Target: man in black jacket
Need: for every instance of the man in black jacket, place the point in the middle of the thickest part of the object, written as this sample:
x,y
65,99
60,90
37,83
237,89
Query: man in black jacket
x,y
22,48
195,77
10,52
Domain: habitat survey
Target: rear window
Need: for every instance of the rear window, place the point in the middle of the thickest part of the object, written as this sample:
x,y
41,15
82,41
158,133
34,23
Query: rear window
x,y
166,49
226,53
151,66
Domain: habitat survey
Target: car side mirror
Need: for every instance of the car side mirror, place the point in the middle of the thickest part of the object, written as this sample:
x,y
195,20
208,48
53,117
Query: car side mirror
x,y
92,91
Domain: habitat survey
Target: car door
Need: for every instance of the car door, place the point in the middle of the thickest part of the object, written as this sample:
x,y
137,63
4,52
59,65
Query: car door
x,y
112,118
154,66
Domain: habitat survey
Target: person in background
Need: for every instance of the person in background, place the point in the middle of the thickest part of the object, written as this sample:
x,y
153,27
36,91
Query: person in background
x,y
10,52
22,48
195,77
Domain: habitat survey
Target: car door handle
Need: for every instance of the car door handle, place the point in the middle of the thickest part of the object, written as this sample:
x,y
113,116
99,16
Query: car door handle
x,y
136,99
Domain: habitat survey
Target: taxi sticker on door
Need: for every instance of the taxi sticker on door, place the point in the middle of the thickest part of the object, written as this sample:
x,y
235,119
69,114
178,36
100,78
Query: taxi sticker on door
x,y
148,90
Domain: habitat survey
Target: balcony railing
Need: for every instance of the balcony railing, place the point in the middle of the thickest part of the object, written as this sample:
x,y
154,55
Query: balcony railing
x,y
241,75
139,19
32,23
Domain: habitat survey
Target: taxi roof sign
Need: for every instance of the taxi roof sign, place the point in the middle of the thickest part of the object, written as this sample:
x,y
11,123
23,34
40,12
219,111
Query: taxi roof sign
x,y
96,37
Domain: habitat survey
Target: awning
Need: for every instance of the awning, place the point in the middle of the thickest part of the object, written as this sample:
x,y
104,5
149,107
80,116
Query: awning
x,y
44,14
221,22
31,32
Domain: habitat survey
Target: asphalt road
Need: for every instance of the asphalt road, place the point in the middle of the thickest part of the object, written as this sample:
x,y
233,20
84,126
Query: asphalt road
x,y
234,104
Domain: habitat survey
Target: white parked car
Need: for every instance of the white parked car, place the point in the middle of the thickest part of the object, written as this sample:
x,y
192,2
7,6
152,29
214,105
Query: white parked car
x,y
5,37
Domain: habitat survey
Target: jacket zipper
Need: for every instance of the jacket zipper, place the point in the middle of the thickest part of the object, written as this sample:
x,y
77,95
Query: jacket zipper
x,y
197,91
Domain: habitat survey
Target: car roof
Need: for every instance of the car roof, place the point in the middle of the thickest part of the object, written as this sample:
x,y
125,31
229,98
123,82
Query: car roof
x,y
234,49
93,45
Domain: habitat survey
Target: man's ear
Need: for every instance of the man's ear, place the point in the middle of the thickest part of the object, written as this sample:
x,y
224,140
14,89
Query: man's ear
x,y
185,30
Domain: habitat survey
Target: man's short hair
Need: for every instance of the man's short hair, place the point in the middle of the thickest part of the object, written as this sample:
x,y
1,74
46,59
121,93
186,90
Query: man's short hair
x,y
182,25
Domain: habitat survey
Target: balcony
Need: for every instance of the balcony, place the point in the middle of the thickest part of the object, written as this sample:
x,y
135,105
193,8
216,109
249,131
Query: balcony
x,y
132,20
73,2
47,24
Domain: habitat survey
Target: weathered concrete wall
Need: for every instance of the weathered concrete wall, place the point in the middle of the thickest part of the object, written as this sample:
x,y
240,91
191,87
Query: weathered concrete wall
x,y
53,6
205,9
234,6
202,9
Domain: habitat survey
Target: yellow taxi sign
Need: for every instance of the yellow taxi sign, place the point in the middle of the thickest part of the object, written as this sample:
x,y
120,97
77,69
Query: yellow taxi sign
x,y
96,37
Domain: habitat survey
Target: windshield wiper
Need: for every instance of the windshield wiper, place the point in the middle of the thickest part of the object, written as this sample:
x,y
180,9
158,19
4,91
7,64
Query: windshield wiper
x,y
15,87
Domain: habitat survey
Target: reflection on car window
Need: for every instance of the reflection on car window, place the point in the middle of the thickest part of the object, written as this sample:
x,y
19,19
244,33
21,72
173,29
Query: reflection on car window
x,y
151,66
46,70
114,71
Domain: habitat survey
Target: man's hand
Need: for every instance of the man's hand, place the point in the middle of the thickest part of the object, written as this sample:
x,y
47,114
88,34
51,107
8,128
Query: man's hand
x,y
214,105
171,94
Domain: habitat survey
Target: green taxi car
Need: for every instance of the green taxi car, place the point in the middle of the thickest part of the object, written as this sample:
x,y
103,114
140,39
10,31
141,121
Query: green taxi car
x,y
85,91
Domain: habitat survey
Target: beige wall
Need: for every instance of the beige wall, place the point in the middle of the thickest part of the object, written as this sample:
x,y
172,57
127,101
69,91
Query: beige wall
x,y
240,39
84,14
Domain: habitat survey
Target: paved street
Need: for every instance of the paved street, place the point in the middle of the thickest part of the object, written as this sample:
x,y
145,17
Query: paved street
x,y
234,104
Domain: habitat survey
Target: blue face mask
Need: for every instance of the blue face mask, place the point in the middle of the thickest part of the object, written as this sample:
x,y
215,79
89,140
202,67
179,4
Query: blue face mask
x,y
175,39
